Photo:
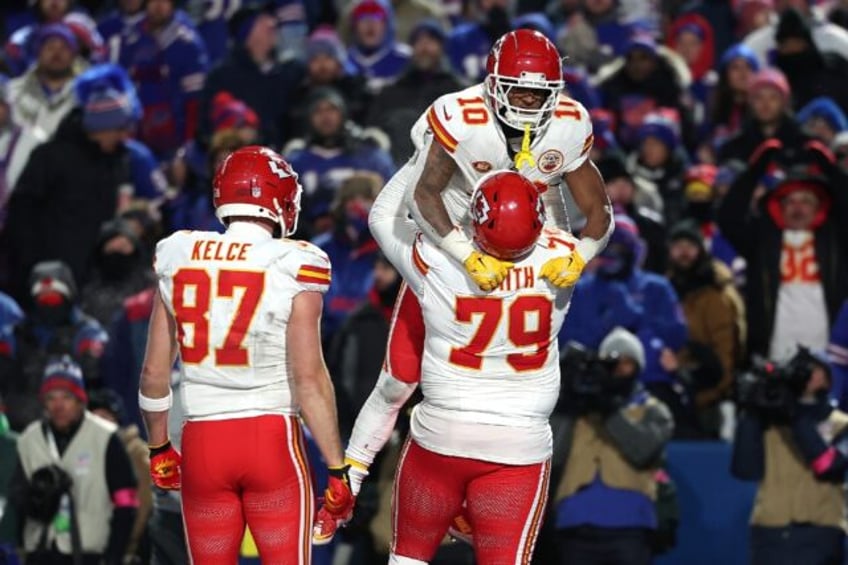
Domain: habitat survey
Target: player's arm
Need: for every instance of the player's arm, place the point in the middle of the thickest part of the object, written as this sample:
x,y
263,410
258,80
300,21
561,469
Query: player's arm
x,y
154,395
590,195
316,397
313,388
429,212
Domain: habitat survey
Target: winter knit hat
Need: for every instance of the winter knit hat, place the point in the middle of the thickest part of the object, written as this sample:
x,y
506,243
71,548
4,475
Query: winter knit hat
x,y
108,109
229,112
826,109
770,78
241,24
63,373
622,343
687,229
430,27
54,277
740,51
62,31
325,41
792,25
662,127
369,9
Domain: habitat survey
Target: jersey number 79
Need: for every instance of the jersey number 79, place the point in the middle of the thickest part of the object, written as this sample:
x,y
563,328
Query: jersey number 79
x,y
196,313
518,312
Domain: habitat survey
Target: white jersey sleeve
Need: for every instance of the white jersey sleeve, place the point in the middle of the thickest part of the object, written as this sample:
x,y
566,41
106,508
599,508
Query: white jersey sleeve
x,y
572,124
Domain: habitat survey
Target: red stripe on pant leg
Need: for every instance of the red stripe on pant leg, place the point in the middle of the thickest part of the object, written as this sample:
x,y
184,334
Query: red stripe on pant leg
x,y
406,338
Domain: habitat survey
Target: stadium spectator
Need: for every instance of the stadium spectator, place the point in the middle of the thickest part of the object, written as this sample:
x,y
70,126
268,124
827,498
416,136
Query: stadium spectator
x,y
250,73
469,43
126,15
74,484
811,72
16,144
167,61
54,325
642,81
715,316
620,293
822,119
691,37
327,66
43,95
638,200
827,37
375,52
120,270
22,47
334,149
795,452
660,160
594,33
399,105
768,98
351,249
604,497
729,101
794,241
356,353
701,200
73,183
109,406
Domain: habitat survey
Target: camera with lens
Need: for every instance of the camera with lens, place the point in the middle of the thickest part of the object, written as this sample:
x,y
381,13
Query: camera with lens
x,y
587,380
773,389
44,495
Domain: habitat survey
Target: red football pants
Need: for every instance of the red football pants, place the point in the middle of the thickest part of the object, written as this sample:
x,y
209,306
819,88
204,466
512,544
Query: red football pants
x,y
251,470
505,505
405,346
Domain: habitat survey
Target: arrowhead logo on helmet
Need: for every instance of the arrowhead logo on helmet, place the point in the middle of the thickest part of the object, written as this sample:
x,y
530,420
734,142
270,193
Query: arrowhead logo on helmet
x,y
255,181
508,215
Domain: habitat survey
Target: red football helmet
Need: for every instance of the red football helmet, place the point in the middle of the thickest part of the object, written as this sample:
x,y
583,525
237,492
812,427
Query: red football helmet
x,y
507,214
256,181
526,59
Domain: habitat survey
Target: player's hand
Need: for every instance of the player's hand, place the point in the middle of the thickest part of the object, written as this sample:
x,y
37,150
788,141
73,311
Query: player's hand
x,y
337,508
486,271
563,272
165,466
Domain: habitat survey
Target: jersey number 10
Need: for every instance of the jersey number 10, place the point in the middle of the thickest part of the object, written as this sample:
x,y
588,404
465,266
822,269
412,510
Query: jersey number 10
x,y
491,310
196,314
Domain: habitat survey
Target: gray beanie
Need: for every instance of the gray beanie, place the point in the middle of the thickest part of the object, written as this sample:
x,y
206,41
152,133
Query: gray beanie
x,y
622,343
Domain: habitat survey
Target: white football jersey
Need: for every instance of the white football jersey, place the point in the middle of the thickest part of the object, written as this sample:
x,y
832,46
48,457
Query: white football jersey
x,y
490,368
464,125
231,296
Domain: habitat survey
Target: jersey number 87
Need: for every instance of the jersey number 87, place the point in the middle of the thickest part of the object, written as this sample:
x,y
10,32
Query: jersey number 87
x,y
196,313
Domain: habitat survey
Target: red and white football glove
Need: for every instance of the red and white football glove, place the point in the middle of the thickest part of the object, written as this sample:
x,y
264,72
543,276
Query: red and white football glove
x,y
165,466
337,507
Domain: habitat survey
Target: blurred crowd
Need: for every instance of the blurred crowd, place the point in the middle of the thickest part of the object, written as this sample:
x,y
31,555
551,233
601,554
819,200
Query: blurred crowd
x,y
720,130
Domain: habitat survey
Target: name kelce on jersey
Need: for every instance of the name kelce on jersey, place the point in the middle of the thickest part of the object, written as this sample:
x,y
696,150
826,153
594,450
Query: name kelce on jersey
x,y
208,250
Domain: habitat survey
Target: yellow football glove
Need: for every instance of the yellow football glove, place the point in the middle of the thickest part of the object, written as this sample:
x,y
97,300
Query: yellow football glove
x,y
486,271
563,271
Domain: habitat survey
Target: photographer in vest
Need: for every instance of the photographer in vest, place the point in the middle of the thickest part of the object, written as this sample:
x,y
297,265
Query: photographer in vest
x,y
794,442
605,497
74,487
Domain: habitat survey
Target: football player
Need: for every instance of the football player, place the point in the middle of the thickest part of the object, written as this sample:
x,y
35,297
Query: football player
x,y
242,310
490,379
518,117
